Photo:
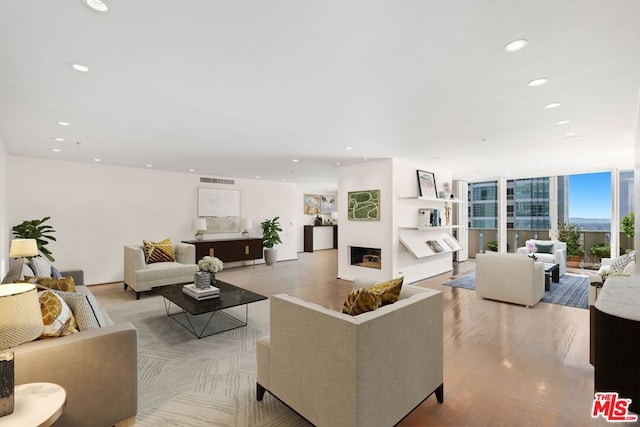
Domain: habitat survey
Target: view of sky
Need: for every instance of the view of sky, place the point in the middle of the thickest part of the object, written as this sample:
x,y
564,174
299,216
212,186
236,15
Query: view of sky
x,y
590,195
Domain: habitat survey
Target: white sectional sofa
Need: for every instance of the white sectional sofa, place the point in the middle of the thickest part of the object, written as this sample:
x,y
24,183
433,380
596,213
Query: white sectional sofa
x,y
366,370
511,278
141,277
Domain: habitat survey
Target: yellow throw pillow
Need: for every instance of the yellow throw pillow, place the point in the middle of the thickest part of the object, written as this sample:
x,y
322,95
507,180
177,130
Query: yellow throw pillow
x,y
360,301
56,315
388,291
66,284
158,252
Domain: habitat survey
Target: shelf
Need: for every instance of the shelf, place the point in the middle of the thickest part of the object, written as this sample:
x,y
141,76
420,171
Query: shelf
x,y
430,199
421,248
440,228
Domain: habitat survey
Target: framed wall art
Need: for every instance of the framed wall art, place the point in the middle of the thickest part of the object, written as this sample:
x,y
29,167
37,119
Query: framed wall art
x,y
427,184
221,207
363,205
312,204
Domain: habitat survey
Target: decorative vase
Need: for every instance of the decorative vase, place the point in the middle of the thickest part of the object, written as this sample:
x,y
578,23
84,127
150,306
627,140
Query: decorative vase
x,y
202,279
213,278
6,383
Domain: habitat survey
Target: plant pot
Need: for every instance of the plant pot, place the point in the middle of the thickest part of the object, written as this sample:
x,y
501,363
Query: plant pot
x,y
574,261
270,256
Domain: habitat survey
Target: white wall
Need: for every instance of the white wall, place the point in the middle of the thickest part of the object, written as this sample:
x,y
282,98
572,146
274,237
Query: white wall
x,y
97,209
5,227
373,234
303,219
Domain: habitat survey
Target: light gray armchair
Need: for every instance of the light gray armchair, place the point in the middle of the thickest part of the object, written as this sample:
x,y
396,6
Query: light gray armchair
x,y
141,277
366,370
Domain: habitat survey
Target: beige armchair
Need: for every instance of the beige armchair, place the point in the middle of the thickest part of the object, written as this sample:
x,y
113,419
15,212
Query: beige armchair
x,y
141,277
557,255
509,277
366,370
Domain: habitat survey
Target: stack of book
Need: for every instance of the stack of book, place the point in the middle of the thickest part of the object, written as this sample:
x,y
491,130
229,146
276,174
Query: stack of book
x,y
201,293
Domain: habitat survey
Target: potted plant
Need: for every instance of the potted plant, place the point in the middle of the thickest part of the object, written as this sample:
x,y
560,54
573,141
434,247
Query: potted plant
x,y
570,234
35,229
270,238
628,226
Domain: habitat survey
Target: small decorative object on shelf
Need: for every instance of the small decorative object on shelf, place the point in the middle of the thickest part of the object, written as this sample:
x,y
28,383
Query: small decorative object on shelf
x,y
208,265
424,218
447,214
318,220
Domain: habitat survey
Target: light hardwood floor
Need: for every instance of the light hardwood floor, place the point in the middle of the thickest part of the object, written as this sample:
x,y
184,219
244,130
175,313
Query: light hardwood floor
x,y
505,365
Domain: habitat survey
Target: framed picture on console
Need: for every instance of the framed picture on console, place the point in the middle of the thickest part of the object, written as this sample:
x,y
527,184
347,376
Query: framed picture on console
x,y
427,184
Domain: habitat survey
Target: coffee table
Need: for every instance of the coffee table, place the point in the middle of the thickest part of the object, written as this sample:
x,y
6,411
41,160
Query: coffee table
x,y
198,316
551,271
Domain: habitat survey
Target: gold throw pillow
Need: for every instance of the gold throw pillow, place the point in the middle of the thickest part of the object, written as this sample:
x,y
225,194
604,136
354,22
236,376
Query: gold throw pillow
x,y
360,301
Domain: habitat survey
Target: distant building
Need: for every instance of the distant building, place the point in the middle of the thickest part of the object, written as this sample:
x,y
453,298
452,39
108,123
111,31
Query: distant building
x,y
527,203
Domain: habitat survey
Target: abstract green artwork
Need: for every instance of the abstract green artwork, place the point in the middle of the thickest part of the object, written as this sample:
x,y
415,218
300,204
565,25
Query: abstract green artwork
x,y
364,205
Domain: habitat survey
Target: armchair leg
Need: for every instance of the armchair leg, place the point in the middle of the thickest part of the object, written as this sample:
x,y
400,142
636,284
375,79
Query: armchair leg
x,y
138,295
260,391
440,393
125,286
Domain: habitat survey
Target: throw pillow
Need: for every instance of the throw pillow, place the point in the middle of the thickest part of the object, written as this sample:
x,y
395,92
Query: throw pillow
x,y
40,266
63,284
85,309
544,248
620,263
630,268
55,273
388,291
56,315
158,251
360,301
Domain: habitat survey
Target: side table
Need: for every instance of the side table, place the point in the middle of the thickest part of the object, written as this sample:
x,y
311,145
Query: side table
x,y
36,404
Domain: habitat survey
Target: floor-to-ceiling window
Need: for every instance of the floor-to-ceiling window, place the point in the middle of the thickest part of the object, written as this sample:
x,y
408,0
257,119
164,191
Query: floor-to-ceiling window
x,y
626,209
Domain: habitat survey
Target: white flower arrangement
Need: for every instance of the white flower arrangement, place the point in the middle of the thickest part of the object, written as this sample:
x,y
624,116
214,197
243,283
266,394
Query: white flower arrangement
x,y
210,264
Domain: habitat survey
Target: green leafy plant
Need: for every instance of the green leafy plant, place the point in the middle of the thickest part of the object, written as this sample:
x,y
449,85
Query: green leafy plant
x,y
36,229
628,225
270,230
493,245
570,234
601,250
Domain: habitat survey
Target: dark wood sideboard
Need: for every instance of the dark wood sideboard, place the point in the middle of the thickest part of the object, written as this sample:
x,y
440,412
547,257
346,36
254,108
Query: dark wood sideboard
x,y
308,236
228,250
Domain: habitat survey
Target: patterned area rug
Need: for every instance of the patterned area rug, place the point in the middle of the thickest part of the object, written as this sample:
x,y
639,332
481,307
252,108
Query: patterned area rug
x,y
572,291
186,381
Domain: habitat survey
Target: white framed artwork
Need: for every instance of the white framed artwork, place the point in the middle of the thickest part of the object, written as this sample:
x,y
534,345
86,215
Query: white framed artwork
x,y
221,208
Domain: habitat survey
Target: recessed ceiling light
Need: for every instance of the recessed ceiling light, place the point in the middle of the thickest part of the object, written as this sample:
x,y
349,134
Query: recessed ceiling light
x,y
284,179
149,166
348,148
552,105
365,158
96,5
63,123
338,163
96,160
58,139
80,67
571,134
295,160
192,170
515,45
537,82
257,176
56,150
563,122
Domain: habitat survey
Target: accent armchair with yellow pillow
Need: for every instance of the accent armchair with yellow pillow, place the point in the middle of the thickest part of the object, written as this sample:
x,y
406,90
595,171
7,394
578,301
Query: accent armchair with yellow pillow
x,y
158,264
371,369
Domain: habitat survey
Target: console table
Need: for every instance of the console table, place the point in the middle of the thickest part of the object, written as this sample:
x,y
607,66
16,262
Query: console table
x,y
616,341
314,238
228,250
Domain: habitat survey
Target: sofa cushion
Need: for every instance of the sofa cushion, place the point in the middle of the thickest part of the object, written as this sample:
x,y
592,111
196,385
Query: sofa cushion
x,y
158,251
56,315
618,264
544,248
388,291
85,308
40,266
64,284
360,301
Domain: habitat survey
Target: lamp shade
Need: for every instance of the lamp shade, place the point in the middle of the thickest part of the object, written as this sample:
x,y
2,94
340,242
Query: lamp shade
x,y
21,319
21,248
199,224
334,215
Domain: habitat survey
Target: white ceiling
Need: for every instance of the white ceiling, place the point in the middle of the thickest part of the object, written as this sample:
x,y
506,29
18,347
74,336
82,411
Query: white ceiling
x,y
241,88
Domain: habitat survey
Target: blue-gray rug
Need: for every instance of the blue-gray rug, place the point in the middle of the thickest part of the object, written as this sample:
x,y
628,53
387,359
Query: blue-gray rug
x,y
572,290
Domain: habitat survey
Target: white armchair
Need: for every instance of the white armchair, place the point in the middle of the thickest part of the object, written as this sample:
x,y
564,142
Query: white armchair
x,y
557,255
366,370
140,276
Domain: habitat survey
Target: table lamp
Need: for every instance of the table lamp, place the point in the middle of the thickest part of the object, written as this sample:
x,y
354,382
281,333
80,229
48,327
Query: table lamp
x,y
21,322
199,225
21,248
334,217
245,225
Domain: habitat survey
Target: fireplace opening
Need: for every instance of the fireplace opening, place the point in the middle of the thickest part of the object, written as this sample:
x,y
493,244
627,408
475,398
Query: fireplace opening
x,y
366,257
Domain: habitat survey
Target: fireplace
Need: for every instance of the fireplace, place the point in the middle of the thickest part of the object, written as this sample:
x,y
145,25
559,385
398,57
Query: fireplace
x,y
366,257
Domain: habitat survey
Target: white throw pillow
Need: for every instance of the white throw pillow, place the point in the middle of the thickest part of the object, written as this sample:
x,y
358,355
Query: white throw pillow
x,y
620,263
40,266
